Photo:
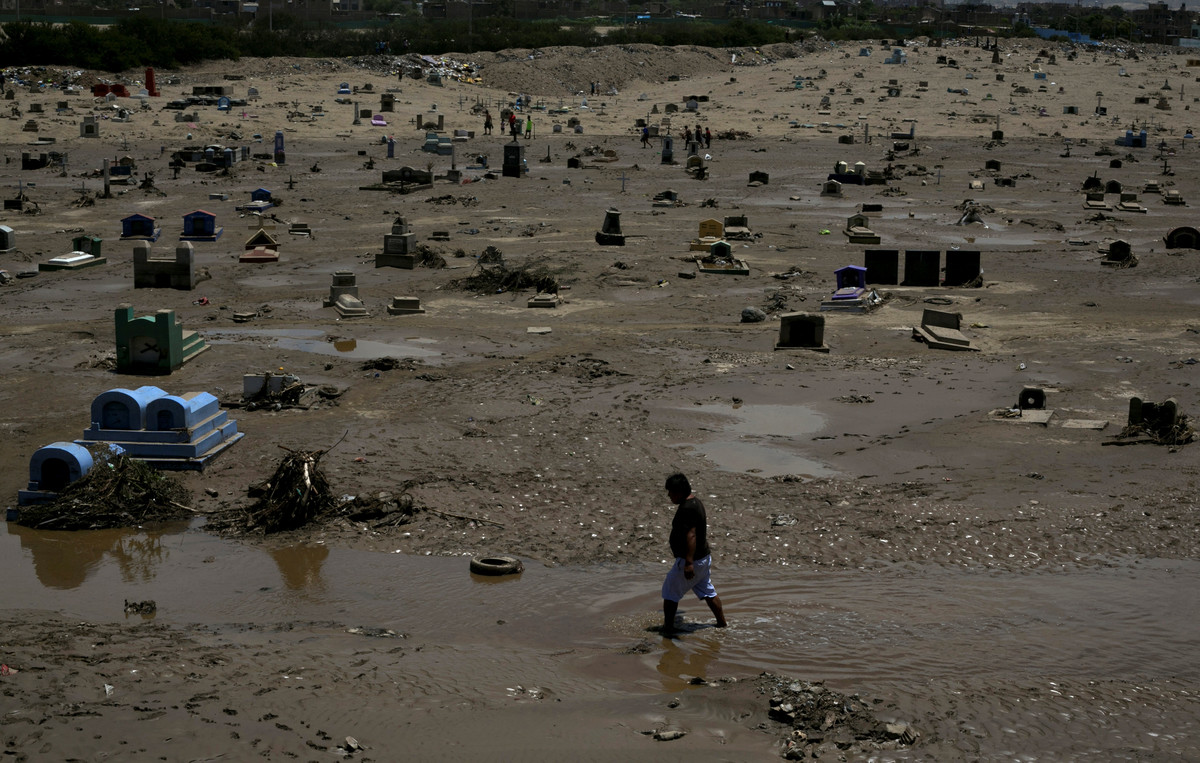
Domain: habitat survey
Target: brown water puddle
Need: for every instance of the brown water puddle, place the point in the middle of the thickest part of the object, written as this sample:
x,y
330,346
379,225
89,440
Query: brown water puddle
x,y
893,632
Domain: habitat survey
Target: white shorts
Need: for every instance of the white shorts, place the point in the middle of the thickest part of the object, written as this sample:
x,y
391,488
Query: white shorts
x,y
676,585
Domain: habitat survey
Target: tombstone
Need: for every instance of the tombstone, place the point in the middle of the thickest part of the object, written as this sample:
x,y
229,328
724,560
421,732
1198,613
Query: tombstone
x,y
252,94
693,148
87,244
543,300
801,331
574,163
151,86
557,128
259,255
8,239
963,269
882,266
170,431
992,165
610,232
850,278
996,56
1032,399
200,226
261,239
922,267
997,135
691,105
761,178
387,102
90,127
1161,419
1112,186
405,306
139,227
711,228
1120,255
1183,237
831,188
223,103
397,247
942,331
343,296
51,469
175,272
671,108
858,230
155,344
514,160
668,149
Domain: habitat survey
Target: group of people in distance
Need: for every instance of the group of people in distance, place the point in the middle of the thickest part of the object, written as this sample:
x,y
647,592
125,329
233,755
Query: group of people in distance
x,y
703,138
514,124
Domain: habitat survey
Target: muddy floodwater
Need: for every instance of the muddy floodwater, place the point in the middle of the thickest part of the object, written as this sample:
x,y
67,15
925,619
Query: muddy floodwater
x,y
1087,658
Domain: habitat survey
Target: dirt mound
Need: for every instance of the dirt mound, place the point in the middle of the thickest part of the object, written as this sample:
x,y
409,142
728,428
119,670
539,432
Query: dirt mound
x,y
570,70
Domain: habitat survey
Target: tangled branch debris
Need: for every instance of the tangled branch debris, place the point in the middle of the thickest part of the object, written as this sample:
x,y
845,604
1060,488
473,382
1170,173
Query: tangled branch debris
x,y
299,494
500,278
295,495
118,491
1173,434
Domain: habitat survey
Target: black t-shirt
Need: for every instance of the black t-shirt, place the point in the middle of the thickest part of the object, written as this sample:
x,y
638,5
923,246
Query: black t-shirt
x,y
689,514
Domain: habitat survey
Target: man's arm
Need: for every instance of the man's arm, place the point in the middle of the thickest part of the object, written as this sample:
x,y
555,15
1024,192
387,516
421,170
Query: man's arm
x,y
688,572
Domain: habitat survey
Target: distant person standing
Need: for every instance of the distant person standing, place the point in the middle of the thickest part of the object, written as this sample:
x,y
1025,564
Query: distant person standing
x,y
512,124
693,559
707,138
528,126
645,137
487,122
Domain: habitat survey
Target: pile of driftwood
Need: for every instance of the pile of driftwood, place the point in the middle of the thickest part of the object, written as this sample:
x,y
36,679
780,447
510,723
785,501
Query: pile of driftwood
x,y
118,491
299,494
499,278
295,495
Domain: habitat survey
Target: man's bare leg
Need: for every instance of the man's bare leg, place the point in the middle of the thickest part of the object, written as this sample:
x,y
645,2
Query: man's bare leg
x,y
669,610
714,603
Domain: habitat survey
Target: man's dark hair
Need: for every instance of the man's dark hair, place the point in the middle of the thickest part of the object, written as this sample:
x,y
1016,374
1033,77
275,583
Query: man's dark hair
x,y
678,483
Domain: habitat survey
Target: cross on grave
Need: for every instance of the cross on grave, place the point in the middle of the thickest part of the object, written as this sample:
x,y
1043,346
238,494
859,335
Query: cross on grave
x,y
291,183
124,142
623,179
939,176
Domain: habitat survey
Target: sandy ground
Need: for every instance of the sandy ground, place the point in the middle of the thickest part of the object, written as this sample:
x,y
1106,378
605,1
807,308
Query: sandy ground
x,y
878,456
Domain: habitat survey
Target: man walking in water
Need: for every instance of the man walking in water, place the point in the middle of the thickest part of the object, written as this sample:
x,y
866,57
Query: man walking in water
x,y
689,545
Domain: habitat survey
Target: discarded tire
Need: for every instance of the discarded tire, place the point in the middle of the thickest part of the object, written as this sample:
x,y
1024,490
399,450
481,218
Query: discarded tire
x,y
496,565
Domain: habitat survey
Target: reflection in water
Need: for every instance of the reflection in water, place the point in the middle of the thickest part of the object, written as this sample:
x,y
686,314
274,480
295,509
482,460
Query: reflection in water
x,y
683,660
65,559
300,567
